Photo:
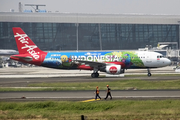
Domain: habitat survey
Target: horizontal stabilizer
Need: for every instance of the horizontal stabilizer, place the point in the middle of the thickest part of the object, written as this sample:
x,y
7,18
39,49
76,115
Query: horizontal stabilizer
x,y
26,58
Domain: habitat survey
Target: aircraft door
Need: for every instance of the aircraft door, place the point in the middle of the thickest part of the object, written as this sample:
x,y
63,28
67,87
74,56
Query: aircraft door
x,y
148,60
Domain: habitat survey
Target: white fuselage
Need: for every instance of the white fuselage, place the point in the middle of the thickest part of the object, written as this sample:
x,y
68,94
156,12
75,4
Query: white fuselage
x,y
153,59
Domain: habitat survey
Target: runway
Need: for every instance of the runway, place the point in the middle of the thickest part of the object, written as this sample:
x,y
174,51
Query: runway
x,y
51,75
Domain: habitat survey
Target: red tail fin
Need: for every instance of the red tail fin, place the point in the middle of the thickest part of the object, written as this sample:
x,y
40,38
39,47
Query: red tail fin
x,y
24,43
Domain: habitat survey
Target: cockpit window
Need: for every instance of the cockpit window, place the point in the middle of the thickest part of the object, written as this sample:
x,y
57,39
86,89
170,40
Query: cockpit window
x,y
161,56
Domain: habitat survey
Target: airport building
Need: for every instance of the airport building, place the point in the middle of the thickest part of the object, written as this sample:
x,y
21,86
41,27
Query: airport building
x,y
70,31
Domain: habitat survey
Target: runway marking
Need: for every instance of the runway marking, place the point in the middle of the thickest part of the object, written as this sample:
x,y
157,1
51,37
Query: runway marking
x,y
90,100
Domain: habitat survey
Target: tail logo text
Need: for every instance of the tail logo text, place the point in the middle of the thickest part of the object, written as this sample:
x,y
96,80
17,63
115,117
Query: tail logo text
x,y
30,48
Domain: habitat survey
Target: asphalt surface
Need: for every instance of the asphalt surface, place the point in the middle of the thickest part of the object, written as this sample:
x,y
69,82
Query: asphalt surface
x,y
33,75
83,95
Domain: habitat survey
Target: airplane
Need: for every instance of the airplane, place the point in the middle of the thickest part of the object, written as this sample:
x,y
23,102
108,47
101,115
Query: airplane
x,y
111,62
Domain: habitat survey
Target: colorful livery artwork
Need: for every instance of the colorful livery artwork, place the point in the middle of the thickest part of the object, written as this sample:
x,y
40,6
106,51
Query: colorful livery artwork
x,y
111,62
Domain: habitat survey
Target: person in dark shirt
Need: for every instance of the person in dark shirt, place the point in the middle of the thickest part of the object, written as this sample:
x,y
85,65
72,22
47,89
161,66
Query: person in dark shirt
x,y
108,93
97,93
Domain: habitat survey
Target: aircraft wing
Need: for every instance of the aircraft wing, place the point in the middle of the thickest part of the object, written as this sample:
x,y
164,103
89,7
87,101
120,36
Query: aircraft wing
x,y
99,64
91,63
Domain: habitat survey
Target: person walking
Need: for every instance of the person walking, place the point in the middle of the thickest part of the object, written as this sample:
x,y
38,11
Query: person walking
x,y
97,93
108,93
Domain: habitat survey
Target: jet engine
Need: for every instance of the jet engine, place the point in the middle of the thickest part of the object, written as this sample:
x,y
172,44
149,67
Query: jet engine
x,y
112,69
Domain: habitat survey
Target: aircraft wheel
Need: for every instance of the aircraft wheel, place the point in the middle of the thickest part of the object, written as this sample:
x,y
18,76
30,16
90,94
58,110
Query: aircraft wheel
x,y
149,74
93,75
97,74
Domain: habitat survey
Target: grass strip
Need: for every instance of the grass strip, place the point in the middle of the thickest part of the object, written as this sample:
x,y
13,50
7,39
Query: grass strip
x,y
115,85
98,110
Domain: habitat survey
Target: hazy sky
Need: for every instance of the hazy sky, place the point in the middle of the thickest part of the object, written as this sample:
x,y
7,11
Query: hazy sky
x,y
99,6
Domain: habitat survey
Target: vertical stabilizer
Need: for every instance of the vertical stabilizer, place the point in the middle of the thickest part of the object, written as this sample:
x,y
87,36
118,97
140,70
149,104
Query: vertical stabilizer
x,y
24,43
28,51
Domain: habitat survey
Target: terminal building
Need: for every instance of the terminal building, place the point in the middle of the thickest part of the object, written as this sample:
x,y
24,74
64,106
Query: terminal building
x,y
71,31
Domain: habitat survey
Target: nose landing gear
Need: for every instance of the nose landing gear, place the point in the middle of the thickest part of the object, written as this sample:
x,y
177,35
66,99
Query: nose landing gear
x,y
149,73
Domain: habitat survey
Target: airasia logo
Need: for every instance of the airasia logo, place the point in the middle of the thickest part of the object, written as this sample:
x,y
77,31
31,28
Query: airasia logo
x,y
30,48
113,70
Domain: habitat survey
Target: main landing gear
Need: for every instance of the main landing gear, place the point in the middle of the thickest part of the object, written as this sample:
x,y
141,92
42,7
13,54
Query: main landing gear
x,y
95,73
149,73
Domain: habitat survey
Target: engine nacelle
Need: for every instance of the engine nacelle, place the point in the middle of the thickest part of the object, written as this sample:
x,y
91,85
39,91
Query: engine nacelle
x,y
113,69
